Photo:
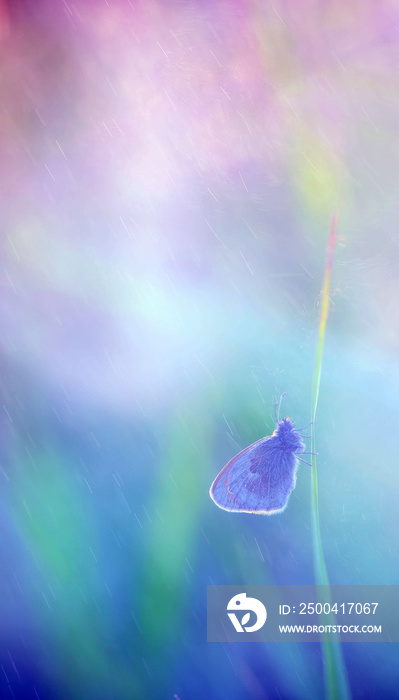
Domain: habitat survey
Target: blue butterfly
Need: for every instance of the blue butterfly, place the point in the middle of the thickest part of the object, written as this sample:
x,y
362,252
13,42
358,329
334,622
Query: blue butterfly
x,y
260,478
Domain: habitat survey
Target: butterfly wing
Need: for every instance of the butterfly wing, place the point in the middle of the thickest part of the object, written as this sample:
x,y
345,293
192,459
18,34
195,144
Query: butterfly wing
x,y
257,480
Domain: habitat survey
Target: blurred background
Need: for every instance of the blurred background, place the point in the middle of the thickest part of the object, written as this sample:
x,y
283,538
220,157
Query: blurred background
x,y
169,170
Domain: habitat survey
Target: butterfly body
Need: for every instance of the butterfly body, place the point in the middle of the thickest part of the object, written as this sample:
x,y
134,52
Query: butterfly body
x,y
261,477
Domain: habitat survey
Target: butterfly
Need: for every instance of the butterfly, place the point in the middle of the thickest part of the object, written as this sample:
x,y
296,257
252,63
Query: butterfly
x,y
260,478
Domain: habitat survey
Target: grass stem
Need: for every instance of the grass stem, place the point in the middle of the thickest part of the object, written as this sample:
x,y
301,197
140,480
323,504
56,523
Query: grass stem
x,y
336,683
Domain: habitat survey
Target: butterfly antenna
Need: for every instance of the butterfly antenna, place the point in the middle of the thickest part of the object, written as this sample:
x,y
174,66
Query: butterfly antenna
x,y
277,412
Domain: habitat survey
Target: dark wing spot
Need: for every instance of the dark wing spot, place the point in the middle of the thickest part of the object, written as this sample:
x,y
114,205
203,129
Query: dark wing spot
x,y
253,464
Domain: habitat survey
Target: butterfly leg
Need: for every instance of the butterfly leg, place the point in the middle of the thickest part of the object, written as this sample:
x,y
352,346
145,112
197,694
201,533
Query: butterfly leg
x,y
305,426
304,461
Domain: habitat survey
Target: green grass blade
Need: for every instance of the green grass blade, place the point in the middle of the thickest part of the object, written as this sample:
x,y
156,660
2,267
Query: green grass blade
x,y
336,684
